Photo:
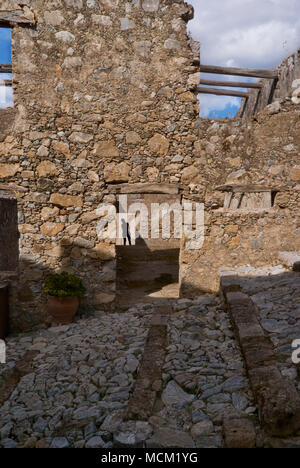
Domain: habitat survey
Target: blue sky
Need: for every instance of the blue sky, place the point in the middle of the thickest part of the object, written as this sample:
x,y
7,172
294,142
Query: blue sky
x,y
6,98
5,45
242,33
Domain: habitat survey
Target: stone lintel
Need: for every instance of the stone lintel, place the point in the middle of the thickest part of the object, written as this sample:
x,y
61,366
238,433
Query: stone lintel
x,y
168,189
17,17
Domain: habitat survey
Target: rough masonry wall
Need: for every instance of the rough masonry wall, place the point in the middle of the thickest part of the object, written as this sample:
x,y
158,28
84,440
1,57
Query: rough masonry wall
x,y
104,93
262,152
289,70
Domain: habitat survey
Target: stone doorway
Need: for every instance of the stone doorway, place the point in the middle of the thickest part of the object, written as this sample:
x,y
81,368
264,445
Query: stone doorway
x,y
149,270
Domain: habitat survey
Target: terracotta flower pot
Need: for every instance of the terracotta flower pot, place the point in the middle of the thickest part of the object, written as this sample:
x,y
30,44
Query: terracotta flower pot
x,y
62,309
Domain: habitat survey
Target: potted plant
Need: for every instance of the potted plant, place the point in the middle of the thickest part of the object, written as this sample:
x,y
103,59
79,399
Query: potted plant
x,y
64,291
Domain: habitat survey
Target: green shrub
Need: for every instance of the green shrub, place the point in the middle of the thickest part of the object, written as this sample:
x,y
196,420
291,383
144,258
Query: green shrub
x,y
63,285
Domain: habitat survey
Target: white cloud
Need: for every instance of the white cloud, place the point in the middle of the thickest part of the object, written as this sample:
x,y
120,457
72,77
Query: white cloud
x,y
6,97
209,103
244,33
6,92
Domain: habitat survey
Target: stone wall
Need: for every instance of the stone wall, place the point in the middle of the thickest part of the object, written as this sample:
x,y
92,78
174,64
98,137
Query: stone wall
x,y
104,93
105,97
260,159
289,70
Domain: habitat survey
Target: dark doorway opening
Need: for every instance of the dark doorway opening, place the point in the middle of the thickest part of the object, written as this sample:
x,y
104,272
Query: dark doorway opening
x,y
148,270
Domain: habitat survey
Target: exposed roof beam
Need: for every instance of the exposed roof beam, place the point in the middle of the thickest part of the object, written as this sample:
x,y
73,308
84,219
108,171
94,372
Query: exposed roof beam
x,y
5,68
251,188
270,74
5,82
243,107
231,84
222,92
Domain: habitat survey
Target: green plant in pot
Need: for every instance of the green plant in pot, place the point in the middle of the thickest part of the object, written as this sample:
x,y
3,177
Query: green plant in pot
x,y
64,291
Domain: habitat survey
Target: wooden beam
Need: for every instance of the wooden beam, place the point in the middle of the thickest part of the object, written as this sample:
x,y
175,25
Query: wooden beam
x,y
258,96
272,90
243,107
222,92
231,84
169,189
15,17
251,188
270,74
5,68
5,82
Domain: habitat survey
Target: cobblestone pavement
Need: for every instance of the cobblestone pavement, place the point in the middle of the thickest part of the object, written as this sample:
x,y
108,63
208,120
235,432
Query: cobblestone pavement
x,y
204,377
84,374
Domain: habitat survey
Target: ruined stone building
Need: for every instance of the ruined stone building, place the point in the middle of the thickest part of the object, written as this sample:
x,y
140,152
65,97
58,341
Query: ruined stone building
x,y
105,103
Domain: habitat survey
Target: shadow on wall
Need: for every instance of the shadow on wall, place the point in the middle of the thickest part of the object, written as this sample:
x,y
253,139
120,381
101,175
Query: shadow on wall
x,y
143,275
28,302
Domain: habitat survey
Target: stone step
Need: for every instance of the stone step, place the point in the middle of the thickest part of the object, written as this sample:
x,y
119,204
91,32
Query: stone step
x,y
142,253
276,397
290,259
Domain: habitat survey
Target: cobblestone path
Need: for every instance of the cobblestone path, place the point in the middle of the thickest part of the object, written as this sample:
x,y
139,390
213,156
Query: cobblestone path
x,y
82,375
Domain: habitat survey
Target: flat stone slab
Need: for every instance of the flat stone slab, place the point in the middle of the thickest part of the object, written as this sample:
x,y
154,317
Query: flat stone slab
x,y
289,258
168,189
174,394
